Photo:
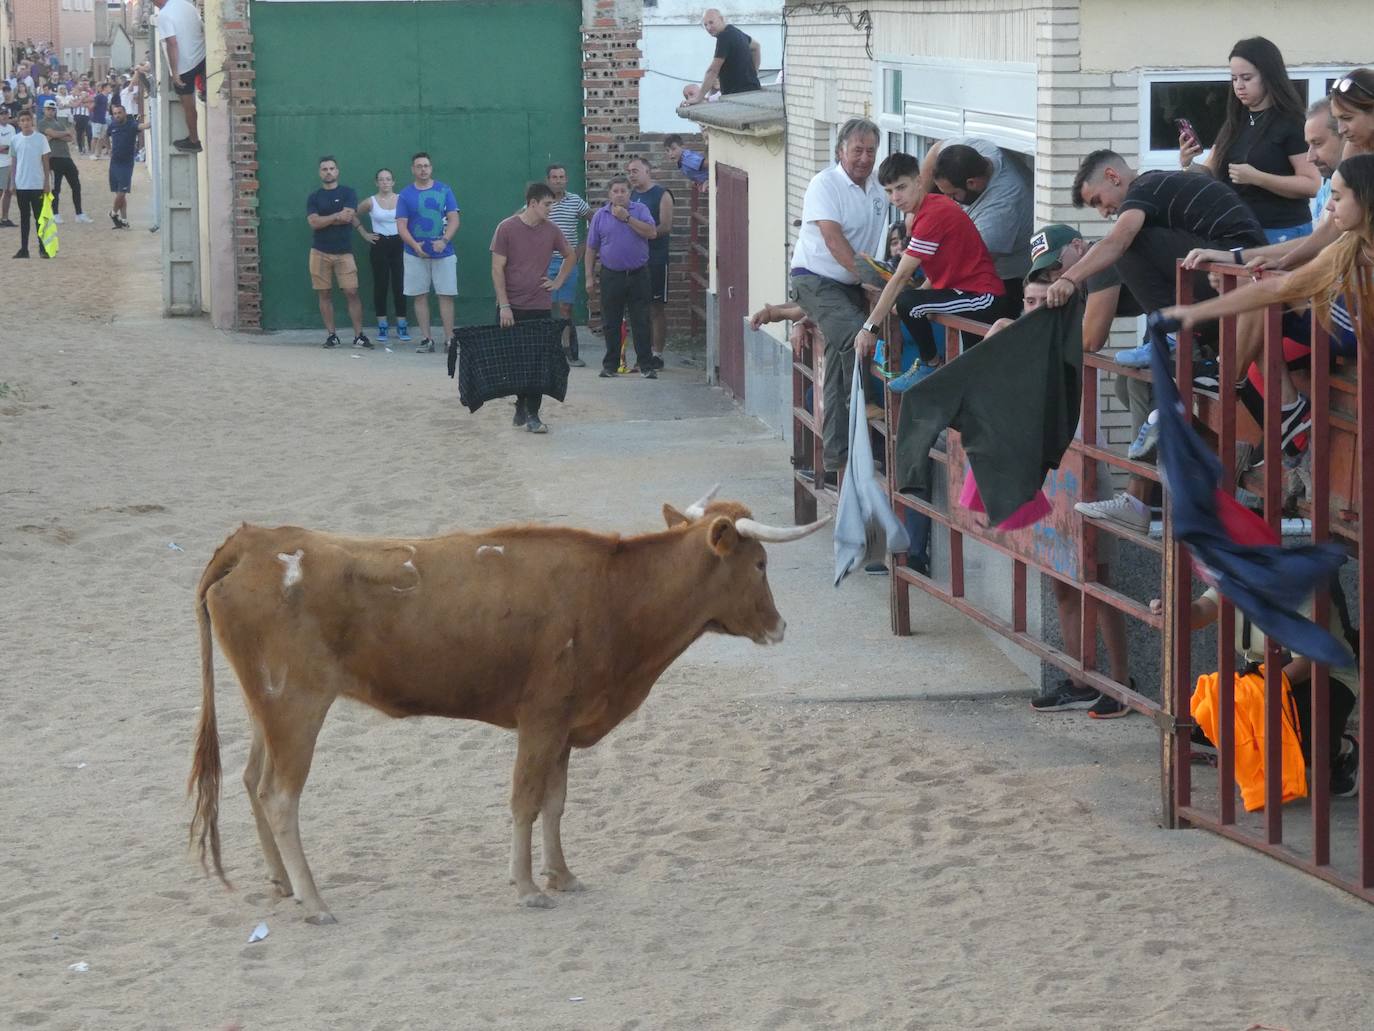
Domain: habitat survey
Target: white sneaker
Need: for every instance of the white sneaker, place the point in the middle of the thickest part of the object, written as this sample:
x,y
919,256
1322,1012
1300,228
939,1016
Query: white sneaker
x,y
84,218
1123,510
57,219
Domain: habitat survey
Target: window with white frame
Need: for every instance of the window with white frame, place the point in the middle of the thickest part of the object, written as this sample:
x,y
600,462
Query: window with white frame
x,y
1200,97
921,100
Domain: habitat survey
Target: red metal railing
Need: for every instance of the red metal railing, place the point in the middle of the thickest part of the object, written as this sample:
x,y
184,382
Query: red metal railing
x,y
1341,448
1335,442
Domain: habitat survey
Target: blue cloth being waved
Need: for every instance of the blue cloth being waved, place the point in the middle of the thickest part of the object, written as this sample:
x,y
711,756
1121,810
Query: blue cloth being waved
x,y
1267,582
425,211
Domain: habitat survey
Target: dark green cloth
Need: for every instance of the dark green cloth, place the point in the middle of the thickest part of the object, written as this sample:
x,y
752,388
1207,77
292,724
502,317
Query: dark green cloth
x,y
1014,398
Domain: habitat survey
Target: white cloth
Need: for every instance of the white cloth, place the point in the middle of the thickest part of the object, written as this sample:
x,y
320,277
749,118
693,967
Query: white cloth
x,y
7,135
28,154
128,97
861,212
1005,211
180,20
863,509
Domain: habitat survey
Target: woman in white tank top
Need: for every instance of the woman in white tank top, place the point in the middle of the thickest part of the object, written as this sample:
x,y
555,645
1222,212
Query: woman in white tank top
x,y
386,254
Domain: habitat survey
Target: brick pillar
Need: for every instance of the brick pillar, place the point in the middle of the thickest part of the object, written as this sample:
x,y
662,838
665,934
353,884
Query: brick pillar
x,y
610,84
243,163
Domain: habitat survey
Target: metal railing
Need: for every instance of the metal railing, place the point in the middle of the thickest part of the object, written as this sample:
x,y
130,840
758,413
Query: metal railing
x,y
1064,548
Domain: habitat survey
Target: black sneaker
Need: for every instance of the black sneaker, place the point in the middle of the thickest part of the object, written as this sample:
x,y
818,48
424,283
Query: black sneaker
x,y
607,374
21,253
361,340
520,417
1205,380
187,144
42,252
577,363
332,340
649,374
1064,696
1345,771
1296,420
7,224
114,219
656,362
1108,708
426,346
535,426
876,569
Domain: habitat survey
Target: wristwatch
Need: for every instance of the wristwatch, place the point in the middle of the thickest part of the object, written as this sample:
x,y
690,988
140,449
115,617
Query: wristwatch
x,y
870,328
1239,254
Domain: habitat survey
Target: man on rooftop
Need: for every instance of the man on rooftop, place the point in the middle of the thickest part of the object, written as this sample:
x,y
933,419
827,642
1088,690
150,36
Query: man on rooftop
x,y
735,66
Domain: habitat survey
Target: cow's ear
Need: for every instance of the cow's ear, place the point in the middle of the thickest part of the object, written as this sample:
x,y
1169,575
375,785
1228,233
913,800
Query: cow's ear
x,y
673,517
723,536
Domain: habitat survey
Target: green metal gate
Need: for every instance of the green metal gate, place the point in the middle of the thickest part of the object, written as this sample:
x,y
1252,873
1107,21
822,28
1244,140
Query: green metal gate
x,y
492,89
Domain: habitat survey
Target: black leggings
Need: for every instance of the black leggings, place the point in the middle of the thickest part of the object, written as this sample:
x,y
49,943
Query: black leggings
x,y
30,203
64,168
83,132
388,272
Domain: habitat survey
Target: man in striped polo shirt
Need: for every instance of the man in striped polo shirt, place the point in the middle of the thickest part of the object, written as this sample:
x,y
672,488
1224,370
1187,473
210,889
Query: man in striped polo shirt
x,y
568,211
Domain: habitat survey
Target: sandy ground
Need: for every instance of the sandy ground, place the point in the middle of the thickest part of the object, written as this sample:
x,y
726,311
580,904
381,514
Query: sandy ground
x,y
819,835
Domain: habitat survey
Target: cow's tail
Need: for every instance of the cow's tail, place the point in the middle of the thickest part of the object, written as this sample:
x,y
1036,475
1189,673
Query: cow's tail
x,y
205,766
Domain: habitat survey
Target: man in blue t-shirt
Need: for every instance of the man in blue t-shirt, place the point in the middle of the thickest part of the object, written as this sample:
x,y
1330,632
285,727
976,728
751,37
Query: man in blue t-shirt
x,y
427,219
123,134
332,212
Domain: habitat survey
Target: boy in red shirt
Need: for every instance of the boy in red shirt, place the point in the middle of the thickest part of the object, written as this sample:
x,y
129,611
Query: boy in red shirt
x,y
960,278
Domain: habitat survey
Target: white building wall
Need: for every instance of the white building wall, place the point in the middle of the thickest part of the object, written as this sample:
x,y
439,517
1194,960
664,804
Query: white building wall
x,y
762,160
676,51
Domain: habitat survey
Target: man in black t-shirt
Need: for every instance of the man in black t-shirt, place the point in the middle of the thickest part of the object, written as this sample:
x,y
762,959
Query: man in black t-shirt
x,y
1160,217
736,62
332,212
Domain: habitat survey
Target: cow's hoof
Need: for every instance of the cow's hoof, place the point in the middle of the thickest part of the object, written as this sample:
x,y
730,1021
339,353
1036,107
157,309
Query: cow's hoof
x,y
538,900
320,919
562,882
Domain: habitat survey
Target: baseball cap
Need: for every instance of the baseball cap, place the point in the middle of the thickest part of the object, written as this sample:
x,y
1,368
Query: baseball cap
x,y
50,103
1046,244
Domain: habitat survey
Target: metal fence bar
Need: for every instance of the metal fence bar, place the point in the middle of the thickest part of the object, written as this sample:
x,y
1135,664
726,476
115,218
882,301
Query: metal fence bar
x,y
1273,514
1319,746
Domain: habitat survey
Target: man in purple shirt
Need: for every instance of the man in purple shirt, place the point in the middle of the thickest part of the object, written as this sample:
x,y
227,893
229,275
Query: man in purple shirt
x,y
618,243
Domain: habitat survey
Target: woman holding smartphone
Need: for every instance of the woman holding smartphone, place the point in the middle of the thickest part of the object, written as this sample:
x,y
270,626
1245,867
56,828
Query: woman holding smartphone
x,y
1261,150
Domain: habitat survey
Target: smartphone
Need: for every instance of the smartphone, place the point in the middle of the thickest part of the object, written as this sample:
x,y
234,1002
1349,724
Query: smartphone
x,y
1185,128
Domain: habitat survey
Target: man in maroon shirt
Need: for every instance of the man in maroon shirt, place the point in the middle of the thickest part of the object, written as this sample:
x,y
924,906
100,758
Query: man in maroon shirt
x,y
520,253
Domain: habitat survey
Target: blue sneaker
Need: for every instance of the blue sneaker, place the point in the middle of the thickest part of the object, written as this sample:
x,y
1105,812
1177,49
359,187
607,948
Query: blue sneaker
x,y
1146,440
381,329
402,330
1139,357
913,375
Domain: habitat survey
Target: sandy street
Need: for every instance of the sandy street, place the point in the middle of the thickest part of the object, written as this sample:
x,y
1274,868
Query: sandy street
x,y
826,834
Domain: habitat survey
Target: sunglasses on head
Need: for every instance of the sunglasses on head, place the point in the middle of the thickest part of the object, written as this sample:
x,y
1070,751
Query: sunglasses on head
x,y
1344,86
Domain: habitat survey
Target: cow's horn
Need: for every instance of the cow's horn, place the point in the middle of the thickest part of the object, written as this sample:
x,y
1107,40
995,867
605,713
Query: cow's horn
x,y
776,534
697,509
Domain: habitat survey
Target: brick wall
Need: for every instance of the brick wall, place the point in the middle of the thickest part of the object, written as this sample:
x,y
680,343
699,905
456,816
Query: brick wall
x,y
243,164
610,80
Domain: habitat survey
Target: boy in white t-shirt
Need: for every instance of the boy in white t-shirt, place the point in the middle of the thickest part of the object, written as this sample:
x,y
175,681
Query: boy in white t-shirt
x,y
32,175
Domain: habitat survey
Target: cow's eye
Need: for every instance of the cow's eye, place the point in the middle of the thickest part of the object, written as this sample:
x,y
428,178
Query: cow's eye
x,y
761,565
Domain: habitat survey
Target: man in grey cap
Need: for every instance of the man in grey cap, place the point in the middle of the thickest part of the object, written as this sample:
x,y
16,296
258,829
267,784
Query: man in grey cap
x,y
60,136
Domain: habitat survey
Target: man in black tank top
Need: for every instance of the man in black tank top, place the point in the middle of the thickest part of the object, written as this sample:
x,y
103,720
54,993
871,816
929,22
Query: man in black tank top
x,y
659,200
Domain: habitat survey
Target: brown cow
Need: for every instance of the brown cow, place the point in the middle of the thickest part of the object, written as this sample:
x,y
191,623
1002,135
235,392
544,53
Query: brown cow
x,y
522,627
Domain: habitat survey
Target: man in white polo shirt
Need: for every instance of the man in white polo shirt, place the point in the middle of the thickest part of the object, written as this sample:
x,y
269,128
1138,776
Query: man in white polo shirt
x,y
843,214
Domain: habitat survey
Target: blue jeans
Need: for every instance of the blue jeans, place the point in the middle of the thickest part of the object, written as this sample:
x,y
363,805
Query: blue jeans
x,y
1291,233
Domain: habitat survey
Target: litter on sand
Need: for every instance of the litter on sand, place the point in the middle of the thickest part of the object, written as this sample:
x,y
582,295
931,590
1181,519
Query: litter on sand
x,y
577,998
80,968
174,546
259,933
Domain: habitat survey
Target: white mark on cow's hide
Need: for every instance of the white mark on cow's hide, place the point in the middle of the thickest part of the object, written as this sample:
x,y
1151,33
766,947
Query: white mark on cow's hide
x,y
293,567
271,685
569,645
408,564
491,549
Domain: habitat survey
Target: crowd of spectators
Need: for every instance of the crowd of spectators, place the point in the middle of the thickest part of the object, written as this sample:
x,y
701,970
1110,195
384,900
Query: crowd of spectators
x,y
1283,187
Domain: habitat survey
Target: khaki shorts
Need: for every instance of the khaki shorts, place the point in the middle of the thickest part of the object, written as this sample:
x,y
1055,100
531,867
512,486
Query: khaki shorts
x,y
342,266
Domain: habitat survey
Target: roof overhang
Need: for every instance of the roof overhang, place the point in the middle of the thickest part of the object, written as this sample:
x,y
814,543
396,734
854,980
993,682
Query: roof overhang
x,y
756,113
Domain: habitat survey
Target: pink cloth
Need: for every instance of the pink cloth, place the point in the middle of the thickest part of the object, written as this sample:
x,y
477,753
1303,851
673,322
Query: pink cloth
x,y
1032,511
